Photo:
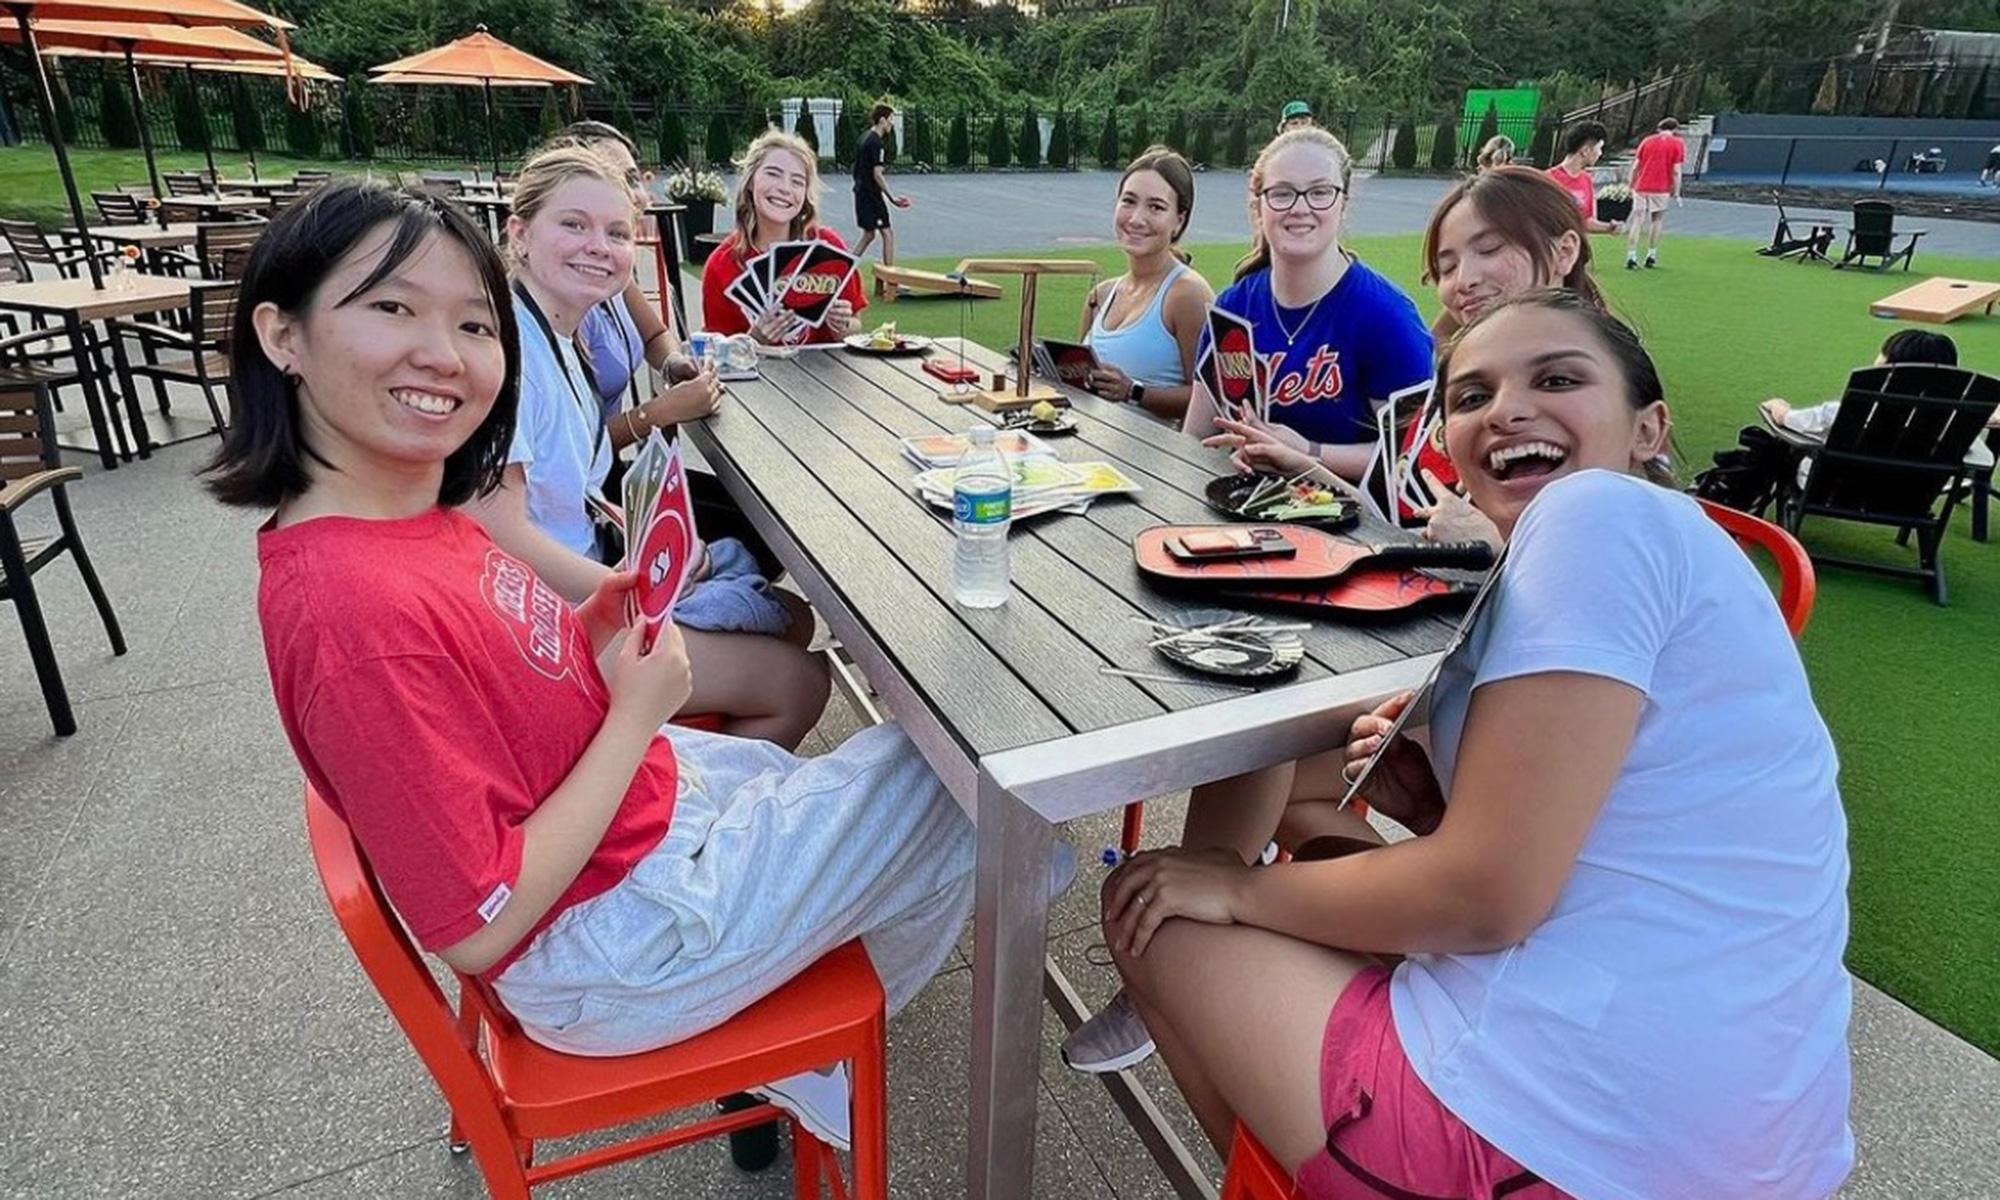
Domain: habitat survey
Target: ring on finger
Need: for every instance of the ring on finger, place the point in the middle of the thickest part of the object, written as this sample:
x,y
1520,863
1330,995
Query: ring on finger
x,y
1351,772
1142,899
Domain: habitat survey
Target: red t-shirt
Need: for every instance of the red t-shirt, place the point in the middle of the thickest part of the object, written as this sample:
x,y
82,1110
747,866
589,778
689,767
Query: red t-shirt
x,y
436,692
721,315
1577,185
1658,156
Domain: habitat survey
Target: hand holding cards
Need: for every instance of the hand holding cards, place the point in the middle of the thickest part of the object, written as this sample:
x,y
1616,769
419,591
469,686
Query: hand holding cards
x,y
1231,369
790,287
660,541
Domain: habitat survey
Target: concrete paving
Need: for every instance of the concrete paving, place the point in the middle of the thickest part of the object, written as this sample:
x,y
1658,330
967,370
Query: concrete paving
x,y
185,1020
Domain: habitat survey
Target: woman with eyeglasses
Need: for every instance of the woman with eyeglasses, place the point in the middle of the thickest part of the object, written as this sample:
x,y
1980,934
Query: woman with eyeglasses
x,y
1333,338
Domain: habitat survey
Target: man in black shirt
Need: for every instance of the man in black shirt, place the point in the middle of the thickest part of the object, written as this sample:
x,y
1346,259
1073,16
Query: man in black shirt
x,y
871,188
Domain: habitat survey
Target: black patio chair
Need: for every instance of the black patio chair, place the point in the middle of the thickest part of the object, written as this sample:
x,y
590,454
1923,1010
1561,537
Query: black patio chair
x,y
1785,243
1874,234
1896,456
35,248
185,183
222,248
119,208
29,468
197,352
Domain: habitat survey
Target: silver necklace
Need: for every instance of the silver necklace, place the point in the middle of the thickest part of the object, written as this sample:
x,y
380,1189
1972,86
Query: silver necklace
x,y
1278,311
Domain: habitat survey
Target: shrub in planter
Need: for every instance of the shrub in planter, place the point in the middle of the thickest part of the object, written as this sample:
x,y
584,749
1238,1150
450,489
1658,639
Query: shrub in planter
x,y
996,142
1177,133
1060,156
65,110
115,118
922,152
357,126
1614,203
719,144
1142,137
1404,156
1108,143
1028,151
958,148
1543,151
844,137
1201,147
244,115
807,129
671,137
1239,142
1444,146
190,127
302,134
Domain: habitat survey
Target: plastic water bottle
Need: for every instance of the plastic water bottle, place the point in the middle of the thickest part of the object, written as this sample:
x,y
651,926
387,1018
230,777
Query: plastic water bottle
x,y
982,507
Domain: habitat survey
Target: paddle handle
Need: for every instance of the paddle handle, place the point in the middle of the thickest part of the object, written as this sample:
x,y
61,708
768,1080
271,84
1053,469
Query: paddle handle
x,y
1473,555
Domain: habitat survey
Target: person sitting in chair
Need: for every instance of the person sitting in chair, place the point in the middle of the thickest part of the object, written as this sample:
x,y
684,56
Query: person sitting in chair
x,y
1903,346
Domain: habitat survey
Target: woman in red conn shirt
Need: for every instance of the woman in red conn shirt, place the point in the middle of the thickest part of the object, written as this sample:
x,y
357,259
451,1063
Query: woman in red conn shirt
x,y
523,808
777,201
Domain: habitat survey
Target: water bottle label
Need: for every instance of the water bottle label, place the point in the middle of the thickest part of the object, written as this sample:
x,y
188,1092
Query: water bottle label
x,y
982,508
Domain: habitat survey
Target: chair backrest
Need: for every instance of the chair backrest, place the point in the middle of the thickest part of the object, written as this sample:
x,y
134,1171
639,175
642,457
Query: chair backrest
x,y
284,198
30,244
27,433
1798,584
394,966
307,180
223,247
1874,226
212,311
1899,437
182,185
118,208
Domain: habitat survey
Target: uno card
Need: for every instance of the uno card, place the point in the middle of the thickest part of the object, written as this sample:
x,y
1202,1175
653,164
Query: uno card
x,y
1068,363
1423,450
777,264
667,546
744,294
1234,380
817,278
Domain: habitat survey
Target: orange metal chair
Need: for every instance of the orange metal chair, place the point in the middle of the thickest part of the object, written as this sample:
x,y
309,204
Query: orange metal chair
x,y
1253,1174
1797,583
520,1092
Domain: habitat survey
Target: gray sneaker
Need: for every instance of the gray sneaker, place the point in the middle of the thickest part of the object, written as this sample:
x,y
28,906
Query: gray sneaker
x,y
819,1099
1112,1040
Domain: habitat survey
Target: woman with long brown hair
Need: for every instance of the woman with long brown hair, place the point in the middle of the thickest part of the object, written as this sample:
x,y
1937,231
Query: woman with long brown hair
x,y
777,200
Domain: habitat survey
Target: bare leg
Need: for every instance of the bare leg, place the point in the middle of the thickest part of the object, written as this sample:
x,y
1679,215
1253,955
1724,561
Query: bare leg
x,y
867,240
762,687
800,632
1658,228
1239,1015
1239,813
888,246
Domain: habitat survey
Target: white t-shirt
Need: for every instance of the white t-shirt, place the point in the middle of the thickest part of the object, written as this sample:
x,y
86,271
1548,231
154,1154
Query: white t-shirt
x,y
1677,1028
558,439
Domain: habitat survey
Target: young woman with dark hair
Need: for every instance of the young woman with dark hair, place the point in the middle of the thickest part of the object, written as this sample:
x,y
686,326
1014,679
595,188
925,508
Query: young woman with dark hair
x,y
1145,324
1608,968
620,884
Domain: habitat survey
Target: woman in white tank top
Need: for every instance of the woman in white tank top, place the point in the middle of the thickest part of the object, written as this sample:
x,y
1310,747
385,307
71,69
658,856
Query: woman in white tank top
x,y
1144,324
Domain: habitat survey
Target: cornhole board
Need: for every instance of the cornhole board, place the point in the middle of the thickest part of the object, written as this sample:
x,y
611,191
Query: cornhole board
x,y
1938,301
930,281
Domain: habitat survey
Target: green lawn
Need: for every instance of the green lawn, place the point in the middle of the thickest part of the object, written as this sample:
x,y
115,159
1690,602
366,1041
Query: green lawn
x,y
1911,690
30,188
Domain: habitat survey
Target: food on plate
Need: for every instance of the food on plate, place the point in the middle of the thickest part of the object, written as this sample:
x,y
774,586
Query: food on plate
x,y
884,337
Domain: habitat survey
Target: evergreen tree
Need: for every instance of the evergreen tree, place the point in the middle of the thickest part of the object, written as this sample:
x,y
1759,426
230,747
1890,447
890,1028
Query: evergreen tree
x,y
719,144
1060,156
302,133
1201,147
1543,152
448,119
65,111
922,152
1108,142
422,136
115,118
807,128
358,127
624,118
845,138
190,127
996,141
1177,132
244,115
1444,145
958,147
671,136
1239,142
1142,137
1489,127
1029,151
551,119
1404,156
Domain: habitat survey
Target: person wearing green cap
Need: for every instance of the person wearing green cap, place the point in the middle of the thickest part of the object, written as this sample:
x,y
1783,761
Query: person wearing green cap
x,y
1296,114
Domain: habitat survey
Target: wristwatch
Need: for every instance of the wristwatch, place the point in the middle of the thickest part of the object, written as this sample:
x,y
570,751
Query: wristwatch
x,y
1138,393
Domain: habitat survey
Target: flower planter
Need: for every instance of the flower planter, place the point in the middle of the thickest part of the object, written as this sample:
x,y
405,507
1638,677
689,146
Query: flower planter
x,y
1614,208
697,219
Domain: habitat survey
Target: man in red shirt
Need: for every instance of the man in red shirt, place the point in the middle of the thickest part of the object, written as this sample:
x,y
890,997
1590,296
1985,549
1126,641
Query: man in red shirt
x,y
1657,176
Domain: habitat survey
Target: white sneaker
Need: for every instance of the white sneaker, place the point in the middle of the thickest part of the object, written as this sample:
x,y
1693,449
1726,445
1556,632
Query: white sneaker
x,y
820,1100
1112,1040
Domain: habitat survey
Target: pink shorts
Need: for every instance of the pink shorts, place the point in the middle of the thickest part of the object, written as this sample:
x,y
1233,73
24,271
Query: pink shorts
x,y
1388,1136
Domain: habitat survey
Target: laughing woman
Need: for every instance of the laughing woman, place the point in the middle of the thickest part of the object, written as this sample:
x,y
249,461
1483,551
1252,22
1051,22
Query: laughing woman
x,y
777,201
570,239
1620,962
1336,338
1145,324
526,813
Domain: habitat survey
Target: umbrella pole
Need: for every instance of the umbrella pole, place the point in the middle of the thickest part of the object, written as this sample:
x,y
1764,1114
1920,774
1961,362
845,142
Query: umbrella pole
x,y
207,133
47,101
492,139
139,109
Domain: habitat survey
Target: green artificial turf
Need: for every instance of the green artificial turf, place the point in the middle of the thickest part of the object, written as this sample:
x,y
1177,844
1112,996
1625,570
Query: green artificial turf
x,y
1910,690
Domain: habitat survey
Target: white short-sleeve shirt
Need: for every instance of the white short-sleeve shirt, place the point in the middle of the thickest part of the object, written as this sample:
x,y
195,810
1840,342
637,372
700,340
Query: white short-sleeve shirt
x,y
558,439
1677,1028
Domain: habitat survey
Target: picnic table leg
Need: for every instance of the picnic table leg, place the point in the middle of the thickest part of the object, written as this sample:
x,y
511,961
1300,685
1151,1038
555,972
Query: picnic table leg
x,y
1010,935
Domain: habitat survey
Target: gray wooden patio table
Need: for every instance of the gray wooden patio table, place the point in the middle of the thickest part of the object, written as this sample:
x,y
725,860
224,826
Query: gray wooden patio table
x,y
1007,704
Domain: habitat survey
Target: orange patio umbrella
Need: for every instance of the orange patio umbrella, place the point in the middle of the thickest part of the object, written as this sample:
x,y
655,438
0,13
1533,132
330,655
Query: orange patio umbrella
x,y
30,13
477,60
133,41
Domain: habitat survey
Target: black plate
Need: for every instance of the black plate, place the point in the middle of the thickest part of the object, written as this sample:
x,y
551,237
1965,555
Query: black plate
x,y
1226,494
1237,653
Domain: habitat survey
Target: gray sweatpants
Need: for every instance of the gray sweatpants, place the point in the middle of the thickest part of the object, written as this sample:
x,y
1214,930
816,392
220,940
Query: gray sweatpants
x,y
771,860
